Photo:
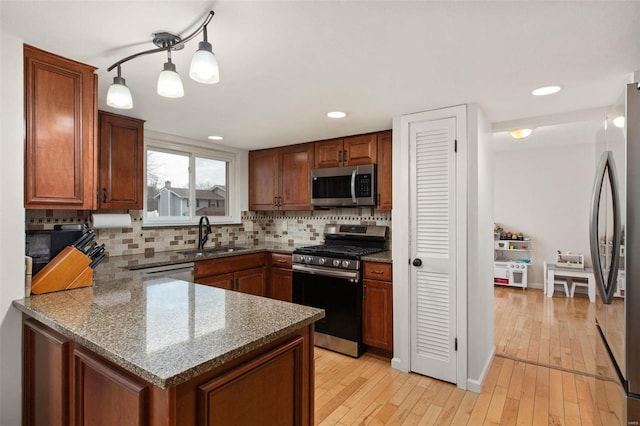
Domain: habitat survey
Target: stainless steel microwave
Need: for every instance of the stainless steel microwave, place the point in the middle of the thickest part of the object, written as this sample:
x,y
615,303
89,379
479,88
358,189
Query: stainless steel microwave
x,y
344,186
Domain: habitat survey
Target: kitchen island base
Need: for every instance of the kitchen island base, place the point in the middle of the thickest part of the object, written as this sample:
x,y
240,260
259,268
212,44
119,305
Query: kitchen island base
x,y
65,383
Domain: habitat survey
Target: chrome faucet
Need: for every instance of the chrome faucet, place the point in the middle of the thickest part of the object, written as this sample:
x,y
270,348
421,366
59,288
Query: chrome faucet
x,y
203,231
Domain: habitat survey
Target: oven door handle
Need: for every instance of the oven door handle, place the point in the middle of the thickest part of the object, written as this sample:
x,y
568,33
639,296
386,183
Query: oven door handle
x,y
349,275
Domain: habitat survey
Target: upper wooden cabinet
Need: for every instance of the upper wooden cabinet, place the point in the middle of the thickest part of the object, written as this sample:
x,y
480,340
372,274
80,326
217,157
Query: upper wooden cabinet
x,y
279,178
349,151
60,114
385,176
120,167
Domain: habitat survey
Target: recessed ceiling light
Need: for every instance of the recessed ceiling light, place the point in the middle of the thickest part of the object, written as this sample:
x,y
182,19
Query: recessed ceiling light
x,y
336,114
547,90
619,121
215,138
520,133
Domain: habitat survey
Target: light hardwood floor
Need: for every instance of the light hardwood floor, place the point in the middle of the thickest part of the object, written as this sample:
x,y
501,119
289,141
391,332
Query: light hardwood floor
x,y
543,374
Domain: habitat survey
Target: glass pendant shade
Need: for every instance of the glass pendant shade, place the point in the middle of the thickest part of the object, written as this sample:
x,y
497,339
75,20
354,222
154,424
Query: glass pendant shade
x,y
119,95
169,82
204,65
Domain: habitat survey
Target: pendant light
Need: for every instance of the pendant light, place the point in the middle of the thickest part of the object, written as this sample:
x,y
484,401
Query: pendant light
x,y
169,81
119,95
204,65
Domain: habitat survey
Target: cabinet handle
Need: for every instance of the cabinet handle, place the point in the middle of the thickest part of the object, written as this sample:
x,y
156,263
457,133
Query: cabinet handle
x,y
378,199
344,156
281,261
377,272
364,291
98,196
339,156
104,195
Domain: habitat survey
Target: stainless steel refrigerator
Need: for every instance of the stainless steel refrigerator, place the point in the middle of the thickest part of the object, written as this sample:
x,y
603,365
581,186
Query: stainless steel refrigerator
x,y
615,253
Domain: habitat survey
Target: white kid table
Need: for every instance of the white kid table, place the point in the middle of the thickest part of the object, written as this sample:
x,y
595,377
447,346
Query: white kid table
x,y
553,270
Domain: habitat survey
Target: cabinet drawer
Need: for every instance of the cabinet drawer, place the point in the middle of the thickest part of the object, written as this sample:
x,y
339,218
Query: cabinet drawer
x,y
280,260
225,265
378,271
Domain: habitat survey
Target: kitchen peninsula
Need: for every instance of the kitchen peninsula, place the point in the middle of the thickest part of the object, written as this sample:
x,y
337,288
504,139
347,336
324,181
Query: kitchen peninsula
x,y
134,350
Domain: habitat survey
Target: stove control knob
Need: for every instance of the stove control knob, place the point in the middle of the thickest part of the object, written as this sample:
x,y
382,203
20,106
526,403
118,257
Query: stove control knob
x,y
336,263
322,261
309,259
345,263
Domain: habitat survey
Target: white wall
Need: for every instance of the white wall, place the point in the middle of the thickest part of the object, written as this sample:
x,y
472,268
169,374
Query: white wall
x,y
479,248
545,193
11,226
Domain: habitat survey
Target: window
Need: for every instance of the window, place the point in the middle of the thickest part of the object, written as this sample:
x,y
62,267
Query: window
x,y
185,182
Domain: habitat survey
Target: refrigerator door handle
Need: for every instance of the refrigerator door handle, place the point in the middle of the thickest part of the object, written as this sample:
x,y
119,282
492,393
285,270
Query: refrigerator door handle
x,y
606,166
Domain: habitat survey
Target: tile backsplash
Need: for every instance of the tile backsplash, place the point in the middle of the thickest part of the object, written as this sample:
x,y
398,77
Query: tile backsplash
x,y
291,228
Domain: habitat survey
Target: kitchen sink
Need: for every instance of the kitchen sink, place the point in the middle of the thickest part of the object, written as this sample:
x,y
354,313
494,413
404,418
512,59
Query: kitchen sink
x,y
212,250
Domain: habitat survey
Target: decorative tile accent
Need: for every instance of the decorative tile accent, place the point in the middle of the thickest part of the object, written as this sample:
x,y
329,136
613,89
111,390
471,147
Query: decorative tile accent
x,y
292,228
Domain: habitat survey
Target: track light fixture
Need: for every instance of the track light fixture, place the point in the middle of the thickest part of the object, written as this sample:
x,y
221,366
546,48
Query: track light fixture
x,y
203,69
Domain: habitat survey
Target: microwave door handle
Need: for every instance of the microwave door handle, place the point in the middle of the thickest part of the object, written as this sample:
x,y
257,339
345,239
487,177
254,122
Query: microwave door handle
x,y
353,186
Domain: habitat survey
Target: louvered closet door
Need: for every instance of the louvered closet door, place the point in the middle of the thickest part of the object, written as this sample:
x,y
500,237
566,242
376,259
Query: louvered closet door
x,y
433,242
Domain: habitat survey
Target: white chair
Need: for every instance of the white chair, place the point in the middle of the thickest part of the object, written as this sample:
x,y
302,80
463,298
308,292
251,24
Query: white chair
x,y
557,280
577,282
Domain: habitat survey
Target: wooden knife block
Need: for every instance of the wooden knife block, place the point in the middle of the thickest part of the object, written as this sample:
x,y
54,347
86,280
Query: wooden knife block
x,y
69,269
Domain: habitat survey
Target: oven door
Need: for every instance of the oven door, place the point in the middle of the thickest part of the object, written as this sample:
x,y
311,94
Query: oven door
x,y
340,295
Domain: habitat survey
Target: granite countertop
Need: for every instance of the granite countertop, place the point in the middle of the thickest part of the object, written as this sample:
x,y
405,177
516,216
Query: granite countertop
x,y
382,257
163,330
162,258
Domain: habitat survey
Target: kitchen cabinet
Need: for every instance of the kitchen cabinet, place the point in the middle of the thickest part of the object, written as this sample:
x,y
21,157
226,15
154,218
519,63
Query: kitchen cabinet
x,y
60,141
244,273
377,307
66,383
281,277
349,151
280,178
384,173
120,165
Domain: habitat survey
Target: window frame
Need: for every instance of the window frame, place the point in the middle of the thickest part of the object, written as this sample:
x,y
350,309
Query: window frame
x,y
193,151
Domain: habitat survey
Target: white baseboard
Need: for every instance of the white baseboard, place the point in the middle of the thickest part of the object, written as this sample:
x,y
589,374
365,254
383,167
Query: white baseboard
x,y
397,364
476,385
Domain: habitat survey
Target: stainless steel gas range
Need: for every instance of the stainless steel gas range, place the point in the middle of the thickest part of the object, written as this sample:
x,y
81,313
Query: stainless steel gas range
x,y
329,276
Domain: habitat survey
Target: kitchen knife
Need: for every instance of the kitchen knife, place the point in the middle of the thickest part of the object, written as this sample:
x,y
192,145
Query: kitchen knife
x,y
85,239
97,260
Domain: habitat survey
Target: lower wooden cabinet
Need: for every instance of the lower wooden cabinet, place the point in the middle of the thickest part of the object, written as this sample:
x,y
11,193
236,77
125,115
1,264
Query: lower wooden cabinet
x,y
105,395
244,273
67,384
281,277
46,377
377,307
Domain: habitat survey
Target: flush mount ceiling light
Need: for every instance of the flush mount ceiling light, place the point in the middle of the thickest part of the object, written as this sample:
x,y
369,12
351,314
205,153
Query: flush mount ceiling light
x,y
619,121
336,114
520,133
215,138
203,69
547,90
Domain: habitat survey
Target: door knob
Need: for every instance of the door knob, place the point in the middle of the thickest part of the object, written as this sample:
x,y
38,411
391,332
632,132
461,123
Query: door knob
x,y
417,262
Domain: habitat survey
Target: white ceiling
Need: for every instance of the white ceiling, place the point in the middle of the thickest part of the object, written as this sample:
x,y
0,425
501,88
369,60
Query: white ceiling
x,y
284,64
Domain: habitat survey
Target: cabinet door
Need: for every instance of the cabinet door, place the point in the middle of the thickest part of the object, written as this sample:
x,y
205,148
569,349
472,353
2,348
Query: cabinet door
x,y
268,390
224,281
360,150
295,177
106,395
281,284
264,179
377,314
328,153
385,152
121,143
60,113
46,359
252,281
